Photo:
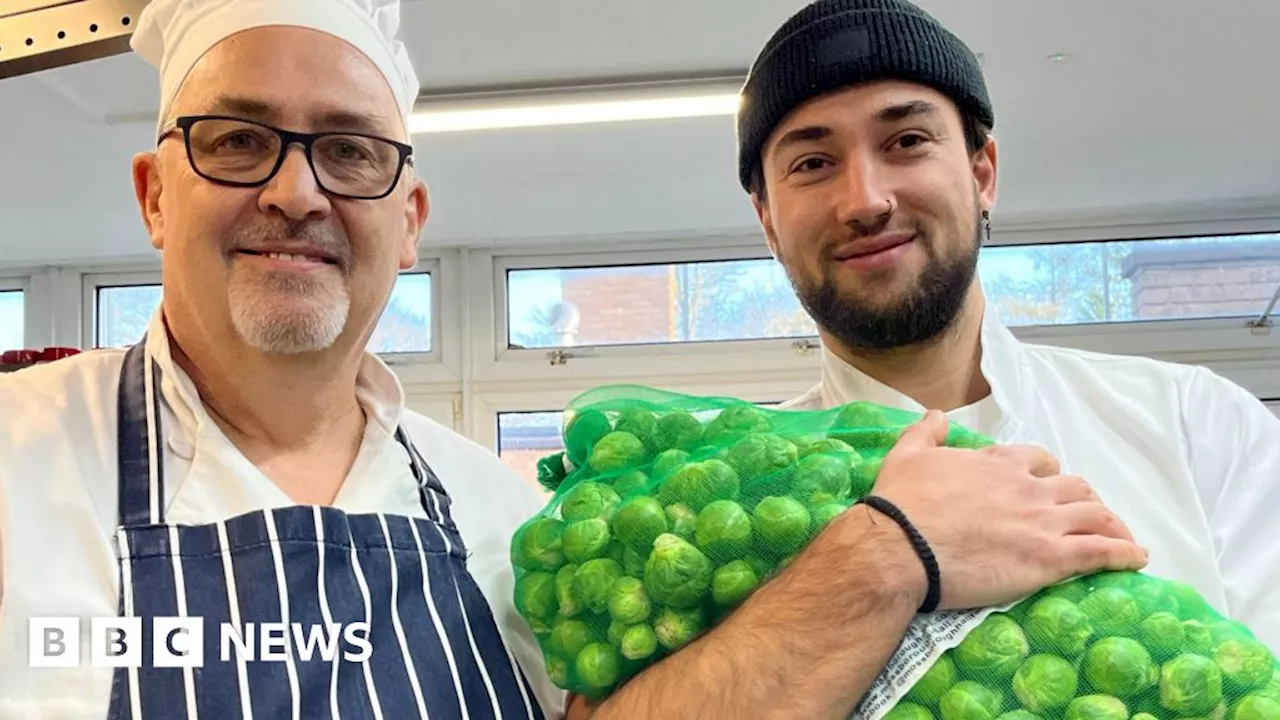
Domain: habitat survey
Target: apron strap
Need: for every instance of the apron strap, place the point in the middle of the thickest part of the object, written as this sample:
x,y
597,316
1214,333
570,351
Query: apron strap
x,y
139,457
431,492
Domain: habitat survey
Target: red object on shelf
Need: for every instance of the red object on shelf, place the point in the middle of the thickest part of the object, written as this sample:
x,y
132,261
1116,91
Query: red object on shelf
x,y
57,353
20,357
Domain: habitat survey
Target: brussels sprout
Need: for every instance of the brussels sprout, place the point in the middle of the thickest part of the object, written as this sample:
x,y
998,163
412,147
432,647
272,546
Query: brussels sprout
x,y
821,479
929,689
589,500
1045,682
593,582
678,430
723,530
1246,665
760,456
586,540
700,484
616,451
1058,626
676,574
759,565
1190,685
1272,688
582,434
823,515
1199,640
1073,591
633,563
782,523
552,471
614,634
539,547
558,671
1019,715
1154,597
1145,716
638,642
735,422
1121,580
1112,611
1119,666
667,463
631,483
993,650
628,602
677,628
536,596
968,700
1223,630
683,520
863,477
638,522
1256,707
829,446
1097,707
859,417
1163,635
908,711
1191,605
597,665
569,636
732,583
569,605
641,423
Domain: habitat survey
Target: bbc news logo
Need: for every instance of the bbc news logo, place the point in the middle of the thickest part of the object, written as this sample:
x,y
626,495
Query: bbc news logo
x,y
180,642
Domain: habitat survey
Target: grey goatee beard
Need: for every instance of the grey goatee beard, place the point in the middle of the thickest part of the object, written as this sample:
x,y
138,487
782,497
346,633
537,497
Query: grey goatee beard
x,y
286,313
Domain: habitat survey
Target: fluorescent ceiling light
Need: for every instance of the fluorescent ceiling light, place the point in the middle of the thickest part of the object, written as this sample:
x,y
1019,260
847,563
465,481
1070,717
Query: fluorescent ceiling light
x,y
572,114
575,108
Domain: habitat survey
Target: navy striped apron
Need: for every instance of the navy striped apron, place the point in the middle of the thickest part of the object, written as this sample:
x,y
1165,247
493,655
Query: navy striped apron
x,y
435,648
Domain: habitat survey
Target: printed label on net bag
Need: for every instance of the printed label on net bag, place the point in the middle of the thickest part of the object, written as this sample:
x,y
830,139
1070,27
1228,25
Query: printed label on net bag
x,y
928,637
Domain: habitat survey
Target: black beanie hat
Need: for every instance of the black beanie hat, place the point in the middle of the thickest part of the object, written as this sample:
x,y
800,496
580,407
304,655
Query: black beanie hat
x,y
832,44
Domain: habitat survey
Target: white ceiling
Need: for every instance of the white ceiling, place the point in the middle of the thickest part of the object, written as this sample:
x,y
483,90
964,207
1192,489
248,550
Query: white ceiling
x,y
1162,102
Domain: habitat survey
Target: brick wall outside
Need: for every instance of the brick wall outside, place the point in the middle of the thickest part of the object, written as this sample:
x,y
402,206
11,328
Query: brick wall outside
x,y
622,304
1209,280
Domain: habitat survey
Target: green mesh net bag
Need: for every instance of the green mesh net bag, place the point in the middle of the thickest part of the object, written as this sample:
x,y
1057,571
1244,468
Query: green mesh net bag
x,y
670,510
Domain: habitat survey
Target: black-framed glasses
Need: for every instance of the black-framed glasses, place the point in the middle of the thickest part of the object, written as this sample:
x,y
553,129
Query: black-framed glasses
x,y
243,153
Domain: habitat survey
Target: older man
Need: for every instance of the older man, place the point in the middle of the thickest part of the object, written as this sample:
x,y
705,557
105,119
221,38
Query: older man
x,y
248,463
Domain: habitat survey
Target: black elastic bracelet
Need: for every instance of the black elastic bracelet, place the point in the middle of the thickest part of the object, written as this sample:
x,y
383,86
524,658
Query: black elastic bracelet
x,y
931,571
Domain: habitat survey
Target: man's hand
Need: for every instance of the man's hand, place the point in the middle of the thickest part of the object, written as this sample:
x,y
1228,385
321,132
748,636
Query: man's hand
x,y
1001,521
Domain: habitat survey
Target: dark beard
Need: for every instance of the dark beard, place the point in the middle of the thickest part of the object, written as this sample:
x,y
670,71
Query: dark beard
x,y
927,311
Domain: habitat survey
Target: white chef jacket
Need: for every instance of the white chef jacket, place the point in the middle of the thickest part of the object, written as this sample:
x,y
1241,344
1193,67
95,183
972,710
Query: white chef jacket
x,y
1189,460
58,507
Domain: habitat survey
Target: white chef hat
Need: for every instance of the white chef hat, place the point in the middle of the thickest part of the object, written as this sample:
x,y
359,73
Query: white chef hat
x,y
174,34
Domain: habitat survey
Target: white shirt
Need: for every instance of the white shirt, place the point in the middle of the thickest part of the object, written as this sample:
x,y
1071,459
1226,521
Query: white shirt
x,y
1189,460
58,511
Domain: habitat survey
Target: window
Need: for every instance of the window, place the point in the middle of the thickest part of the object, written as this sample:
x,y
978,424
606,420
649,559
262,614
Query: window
x,y
652,304
124,312
1127,281
12,320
